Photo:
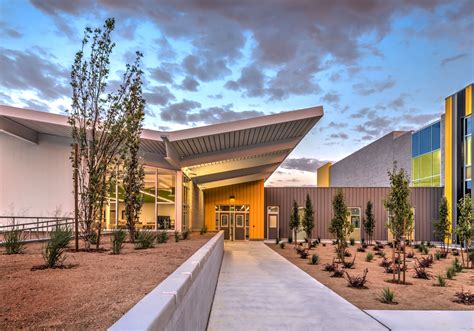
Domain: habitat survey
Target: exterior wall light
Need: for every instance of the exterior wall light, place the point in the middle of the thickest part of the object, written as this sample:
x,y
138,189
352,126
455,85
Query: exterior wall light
x,y
232,198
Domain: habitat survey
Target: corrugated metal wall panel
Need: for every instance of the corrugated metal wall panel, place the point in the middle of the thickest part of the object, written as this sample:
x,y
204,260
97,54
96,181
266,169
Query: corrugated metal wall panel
x,y
424,200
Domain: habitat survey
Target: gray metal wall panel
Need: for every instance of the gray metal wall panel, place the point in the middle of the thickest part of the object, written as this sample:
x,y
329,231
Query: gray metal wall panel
x,y
424,200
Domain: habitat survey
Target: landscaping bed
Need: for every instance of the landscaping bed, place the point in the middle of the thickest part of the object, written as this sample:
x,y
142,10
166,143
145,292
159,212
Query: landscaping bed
x,y
94,292
421,294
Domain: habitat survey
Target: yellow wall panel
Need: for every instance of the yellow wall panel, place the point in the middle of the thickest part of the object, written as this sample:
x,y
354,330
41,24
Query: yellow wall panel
x,y
324,175
251,193
448,155
468,110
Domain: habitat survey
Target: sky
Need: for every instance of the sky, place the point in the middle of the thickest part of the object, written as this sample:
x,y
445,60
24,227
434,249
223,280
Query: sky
x,y
374,65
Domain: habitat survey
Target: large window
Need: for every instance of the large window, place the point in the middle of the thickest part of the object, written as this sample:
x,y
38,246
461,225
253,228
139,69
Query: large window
x,y
426,156
467,154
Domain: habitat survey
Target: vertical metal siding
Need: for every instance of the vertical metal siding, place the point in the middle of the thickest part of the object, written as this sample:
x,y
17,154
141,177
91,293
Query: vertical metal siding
x,y
424,200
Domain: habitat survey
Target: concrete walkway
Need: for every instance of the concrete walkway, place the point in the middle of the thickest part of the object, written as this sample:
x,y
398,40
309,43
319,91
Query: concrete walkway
x,y
260,290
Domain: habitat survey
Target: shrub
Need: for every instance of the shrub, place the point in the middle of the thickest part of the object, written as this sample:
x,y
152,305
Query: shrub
x,y
364,245
471,256
420,247
357,281
380,246
330,267
455,252
380,253
440,281
352,241
338,273
376,248
145,239
314,259
349,264
282,245
53,253
347,253
185,234
411,255
92,237
369,257
290,240
425,250
13,241
162,236
425,262
437,256
361,249
203,230
457,265
450,273
387,296
177,236
421,272
465,298
117,239
385,263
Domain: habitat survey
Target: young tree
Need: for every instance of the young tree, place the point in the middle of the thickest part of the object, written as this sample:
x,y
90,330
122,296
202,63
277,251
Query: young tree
x,y
399,209
442,226
133,179
340,227
464,226
308,218
294,220
99,122
369,222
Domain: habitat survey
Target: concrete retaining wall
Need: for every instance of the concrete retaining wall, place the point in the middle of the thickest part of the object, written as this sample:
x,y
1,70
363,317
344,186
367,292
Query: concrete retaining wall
x,y
183,300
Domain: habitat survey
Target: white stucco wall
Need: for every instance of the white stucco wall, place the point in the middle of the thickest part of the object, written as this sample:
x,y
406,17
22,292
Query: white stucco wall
x,y
35,179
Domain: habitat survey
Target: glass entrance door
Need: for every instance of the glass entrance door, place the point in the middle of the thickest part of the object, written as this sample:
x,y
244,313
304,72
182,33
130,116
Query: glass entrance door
x,y
234,221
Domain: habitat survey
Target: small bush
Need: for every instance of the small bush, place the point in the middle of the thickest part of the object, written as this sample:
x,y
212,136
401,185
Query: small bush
x,y
92,237
177,236
352,241
364,245
380,246
349,264
387,296
455,252
465,298
290,240
411,255
338,273
457,265
314,259
145,239
425,262
303,253
117,239
471,256
450,273
361,249
421,247
185,234
440,281
425,250
369,257
330,267
376,248
380,253
357,281
203,230
437,256
54,251
162,237
282,245
13,241
385,263
421,272
347,253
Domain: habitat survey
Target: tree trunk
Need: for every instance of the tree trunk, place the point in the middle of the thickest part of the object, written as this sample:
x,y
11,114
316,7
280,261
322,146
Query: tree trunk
x,y
393,260
462,254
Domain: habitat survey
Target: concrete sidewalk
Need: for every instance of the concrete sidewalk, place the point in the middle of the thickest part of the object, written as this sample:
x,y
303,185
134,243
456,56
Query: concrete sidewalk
x,y
260,290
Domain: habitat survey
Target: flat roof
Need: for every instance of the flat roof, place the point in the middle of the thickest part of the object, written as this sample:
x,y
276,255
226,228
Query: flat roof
x,y
212,155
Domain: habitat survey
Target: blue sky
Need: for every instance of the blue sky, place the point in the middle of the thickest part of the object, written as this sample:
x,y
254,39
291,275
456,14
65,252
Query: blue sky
x,y
375,65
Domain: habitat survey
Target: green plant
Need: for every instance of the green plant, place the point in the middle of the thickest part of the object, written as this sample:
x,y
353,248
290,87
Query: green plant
x,y
421,272
369,257
369,221
14,241
340,227
387,296
425,262
380,253
144,239
314,259
294,220
361,249
185,234
464,227
440,281
357,281
282,245
437,256
54,250
308,218
162,236
117,238
450,273
352,241
177,236
203,230
456,264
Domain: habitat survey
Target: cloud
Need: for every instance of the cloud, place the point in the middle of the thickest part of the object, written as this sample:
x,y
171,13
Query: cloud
x,y
190,112
447,60
331,98
158,95
7,31
189,84
205,69
161,74
27,71
342,136
368,88
302,164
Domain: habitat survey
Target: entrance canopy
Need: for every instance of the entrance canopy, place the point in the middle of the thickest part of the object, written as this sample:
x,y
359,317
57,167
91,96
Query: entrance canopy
x,y
212,156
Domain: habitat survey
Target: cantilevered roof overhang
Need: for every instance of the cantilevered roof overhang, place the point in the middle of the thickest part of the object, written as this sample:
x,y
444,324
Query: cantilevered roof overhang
x,y
212,156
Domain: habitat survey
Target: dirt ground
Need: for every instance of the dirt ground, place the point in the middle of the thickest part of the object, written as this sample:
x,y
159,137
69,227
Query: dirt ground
x,y
421,294
90,296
